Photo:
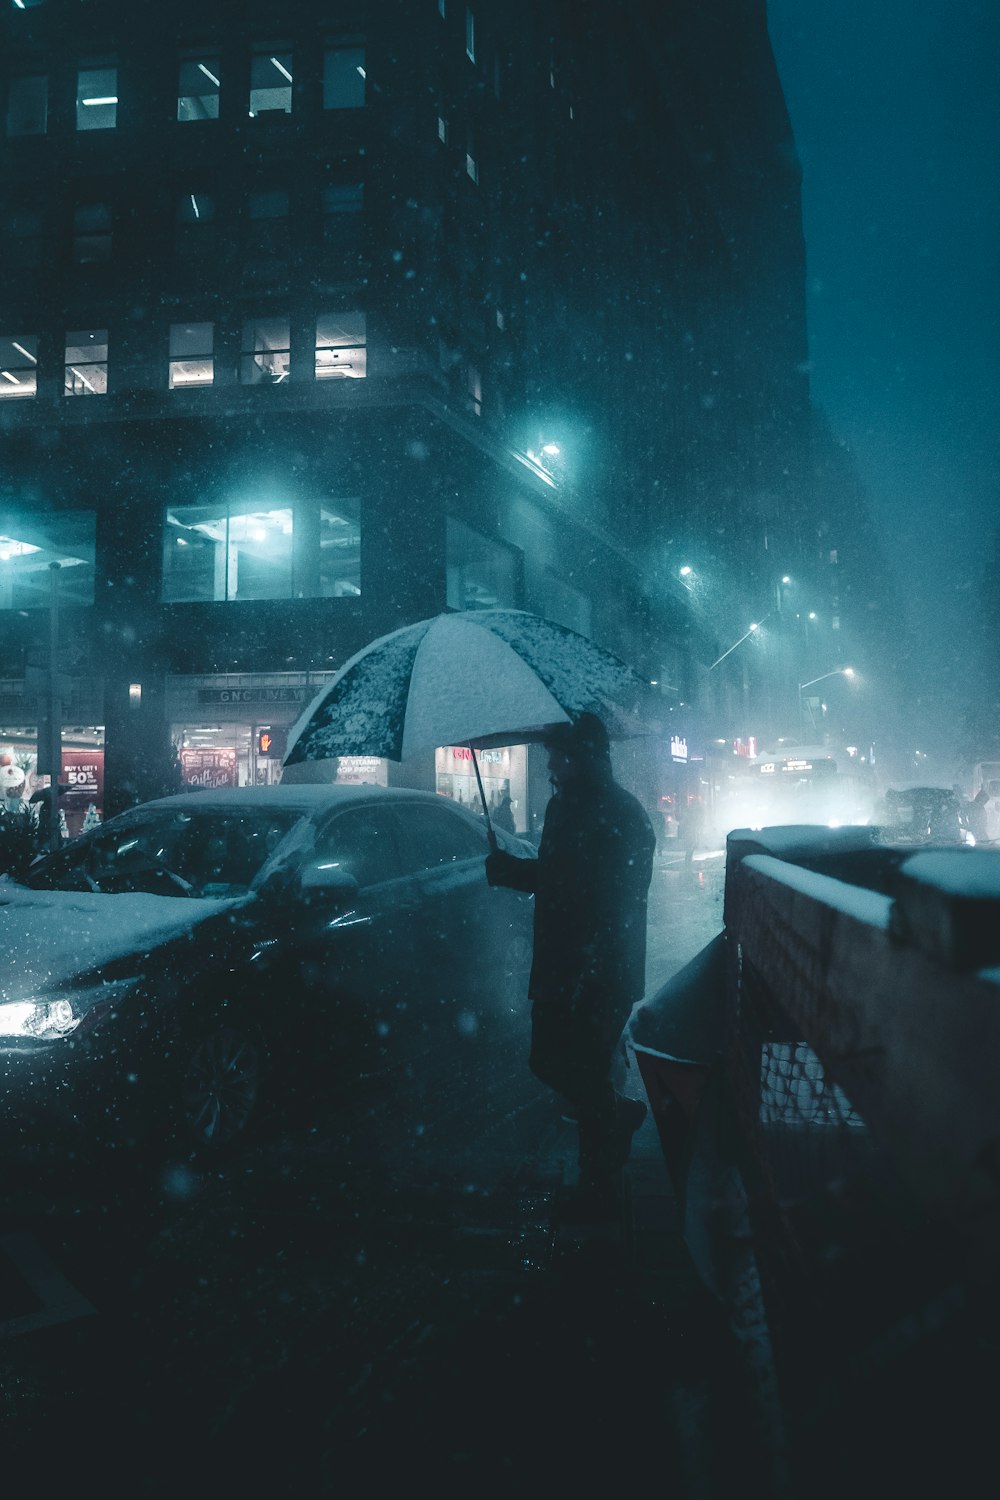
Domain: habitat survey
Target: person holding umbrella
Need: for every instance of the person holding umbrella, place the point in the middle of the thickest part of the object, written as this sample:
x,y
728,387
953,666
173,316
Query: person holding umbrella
x,y
590,882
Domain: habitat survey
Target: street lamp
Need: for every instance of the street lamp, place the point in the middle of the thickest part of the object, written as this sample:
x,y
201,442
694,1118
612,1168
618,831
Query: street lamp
x,y
746,634
837,672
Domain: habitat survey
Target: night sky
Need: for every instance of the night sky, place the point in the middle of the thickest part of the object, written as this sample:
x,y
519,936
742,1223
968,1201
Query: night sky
x,y
895,108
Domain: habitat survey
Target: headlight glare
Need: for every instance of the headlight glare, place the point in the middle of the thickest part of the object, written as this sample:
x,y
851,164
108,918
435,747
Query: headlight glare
x,y
44,1019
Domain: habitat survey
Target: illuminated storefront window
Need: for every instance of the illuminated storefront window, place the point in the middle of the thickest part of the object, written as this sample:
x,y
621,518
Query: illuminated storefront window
x,y
503,770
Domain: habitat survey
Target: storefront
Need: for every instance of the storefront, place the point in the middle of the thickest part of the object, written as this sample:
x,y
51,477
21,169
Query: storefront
x,y
233,730
82,804
503,769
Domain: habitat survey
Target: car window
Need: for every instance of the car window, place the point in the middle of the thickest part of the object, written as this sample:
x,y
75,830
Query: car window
x,y
363,842
437,836
218,852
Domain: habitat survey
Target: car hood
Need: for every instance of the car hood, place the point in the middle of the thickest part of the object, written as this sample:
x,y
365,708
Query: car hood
x,y
50,939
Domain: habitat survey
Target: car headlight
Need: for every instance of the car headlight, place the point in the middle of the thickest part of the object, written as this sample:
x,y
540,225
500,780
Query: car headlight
x,y
44,1019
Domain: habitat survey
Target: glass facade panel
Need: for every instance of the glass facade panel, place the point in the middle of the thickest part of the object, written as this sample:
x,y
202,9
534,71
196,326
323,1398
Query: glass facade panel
x,y
28,106
198,86
191,355
308,548
344,76
30,542
97,98
264,353
91,234
482,573
22,231
340,346
18,366
87,362
270,83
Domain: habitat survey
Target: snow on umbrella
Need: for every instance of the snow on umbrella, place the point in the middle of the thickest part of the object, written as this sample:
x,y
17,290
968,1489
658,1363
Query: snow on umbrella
x,y
463,678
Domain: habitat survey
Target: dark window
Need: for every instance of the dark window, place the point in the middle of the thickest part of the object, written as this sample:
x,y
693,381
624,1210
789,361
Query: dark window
x,y
22,238
195,223
344,76
91,234
28,106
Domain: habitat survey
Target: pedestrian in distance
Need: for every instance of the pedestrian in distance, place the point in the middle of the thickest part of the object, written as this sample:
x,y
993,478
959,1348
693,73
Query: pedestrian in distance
x,y
502,815
590,883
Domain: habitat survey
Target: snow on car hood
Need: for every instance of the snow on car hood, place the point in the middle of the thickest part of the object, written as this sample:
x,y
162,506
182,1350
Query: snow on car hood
x,y
47,938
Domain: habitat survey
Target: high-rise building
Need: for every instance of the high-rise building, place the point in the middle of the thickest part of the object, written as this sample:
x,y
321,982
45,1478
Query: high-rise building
x,y
319,318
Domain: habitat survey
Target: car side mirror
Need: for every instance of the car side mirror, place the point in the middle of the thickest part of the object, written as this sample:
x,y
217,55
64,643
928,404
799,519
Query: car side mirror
x,y
326,878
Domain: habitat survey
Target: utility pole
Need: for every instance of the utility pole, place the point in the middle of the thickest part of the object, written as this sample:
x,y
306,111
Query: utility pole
x,y
52,732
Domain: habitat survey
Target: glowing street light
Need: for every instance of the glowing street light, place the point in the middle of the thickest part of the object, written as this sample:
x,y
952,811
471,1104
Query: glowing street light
x,y
745,636
837,672
686,571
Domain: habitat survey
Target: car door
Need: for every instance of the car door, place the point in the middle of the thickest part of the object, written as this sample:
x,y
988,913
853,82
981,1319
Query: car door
x,y
459,924
357,955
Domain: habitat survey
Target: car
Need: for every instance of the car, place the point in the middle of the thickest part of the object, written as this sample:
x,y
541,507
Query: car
x,y
198,962
923,815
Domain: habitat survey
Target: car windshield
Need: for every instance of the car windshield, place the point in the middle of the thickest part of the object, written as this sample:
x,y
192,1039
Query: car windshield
x,y
214,853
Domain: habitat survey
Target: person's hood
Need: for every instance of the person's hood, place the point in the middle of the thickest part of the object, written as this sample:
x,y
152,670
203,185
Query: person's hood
x,y
50,939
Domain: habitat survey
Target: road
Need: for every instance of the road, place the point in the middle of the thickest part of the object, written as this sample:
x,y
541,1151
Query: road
x,y
381,1300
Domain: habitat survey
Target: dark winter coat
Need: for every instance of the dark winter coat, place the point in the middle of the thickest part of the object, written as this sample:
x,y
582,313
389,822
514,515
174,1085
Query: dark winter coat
x,y
590,882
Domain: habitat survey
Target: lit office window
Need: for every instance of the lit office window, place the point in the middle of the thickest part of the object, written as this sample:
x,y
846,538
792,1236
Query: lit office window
x,y
28,106
30,541
270,83
470,35
306,548
344,75
25,4
220,553
18,365
198,85
192,359
340,347
87,362
471,160
91,234
97,98
264,353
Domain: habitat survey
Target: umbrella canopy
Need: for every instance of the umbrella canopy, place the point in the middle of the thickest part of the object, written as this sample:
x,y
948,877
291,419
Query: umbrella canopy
x,y
475,677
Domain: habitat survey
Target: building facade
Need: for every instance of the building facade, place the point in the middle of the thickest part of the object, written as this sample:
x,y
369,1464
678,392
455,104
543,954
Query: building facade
x,y
321,319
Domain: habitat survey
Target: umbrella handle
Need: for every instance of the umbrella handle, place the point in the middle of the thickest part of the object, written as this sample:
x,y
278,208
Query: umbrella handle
x,y
490,834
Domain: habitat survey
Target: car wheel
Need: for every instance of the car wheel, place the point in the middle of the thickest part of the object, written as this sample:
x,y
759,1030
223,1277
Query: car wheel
x,y
219,1097
514,970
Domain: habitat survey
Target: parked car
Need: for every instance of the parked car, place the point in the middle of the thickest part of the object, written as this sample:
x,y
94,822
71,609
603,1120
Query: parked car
x,y
169,975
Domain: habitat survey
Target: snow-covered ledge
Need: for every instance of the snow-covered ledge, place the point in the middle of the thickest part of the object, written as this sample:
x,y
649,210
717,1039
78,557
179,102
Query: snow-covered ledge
x,y
874,983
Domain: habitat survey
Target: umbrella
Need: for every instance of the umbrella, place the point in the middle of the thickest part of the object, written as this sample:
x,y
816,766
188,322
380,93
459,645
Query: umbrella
x,y
476,677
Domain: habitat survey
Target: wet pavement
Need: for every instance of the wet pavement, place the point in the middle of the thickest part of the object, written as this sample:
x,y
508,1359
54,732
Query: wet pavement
x,y
390,1298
